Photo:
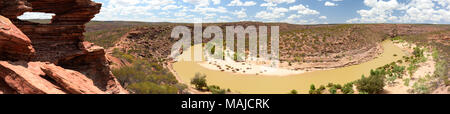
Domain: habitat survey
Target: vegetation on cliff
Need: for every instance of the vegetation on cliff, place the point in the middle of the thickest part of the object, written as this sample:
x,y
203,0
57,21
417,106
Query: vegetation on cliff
x,y
144,77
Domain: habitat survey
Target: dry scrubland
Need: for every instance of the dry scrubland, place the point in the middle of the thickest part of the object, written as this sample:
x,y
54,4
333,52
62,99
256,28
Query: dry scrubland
x,y
139,50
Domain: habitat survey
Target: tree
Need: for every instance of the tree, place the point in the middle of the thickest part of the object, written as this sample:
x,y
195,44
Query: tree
x,y
332,90
294,91
418,52
338,86
312,89
372,84
199,81
322,87
348,88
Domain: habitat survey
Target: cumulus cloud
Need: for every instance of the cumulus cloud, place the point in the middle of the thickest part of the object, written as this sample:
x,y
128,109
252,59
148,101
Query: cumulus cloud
x,y
273,13
170,7
241,13
415,11
198,3
301,9
330,4
240,3
280,1
216,1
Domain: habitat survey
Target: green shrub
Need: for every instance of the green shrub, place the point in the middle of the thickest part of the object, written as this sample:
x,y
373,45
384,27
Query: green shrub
x,y
406,81
338,86
152,88
119,54
391,79
322,87
373,84
295,92
312,89
106,38
420,87
330,85
199,81
332,90
143,73
216,89
412,68
418,52
348,88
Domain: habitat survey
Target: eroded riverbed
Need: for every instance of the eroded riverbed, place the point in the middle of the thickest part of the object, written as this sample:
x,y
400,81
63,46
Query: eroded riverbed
x,y
263,84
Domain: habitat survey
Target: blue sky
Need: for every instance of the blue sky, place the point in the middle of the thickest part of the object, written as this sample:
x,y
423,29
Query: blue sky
x,y
290,11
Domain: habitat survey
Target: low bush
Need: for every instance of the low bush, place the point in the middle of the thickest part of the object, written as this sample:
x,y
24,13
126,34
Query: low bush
x,y
199,81
373,84
144,77
216,89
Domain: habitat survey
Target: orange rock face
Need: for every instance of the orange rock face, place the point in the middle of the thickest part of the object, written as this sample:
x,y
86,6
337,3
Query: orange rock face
x,y
44,78
13,43
60,43
23,81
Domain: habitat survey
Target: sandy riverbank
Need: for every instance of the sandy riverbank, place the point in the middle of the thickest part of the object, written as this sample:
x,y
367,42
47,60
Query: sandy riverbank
x,y
425,68
248,68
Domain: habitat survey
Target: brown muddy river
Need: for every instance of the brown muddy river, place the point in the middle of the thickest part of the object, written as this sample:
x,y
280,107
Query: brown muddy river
x,y
263,84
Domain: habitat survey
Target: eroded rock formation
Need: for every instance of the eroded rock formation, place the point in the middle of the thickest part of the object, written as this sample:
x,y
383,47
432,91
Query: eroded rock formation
x,y
13,43
71,64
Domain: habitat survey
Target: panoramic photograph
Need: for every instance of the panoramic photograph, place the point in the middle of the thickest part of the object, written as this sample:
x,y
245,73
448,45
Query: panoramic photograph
x,y
224,47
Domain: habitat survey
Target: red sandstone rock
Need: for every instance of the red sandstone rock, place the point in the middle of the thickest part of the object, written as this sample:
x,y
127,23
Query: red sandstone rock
x,y
14,8
24,81
43,78
72,81
13,43
61,41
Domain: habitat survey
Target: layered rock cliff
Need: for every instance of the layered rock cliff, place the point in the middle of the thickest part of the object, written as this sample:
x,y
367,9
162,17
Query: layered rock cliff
x,y
52,58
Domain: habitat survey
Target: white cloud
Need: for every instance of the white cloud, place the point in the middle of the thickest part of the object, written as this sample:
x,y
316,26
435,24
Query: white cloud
x,y
239,3
130,9
323,17
180,14
379,12
330,4
280,1
241,13
225,17
170,7
294,16
216,2
198,3
219,9
36,15
301,9
414,11
268,15
274,13
268,4
209,16
157,3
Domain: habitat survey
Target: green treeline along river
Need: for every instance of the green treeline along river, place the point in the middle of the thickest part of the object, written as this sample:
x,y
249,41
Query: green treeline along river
x,y
263,84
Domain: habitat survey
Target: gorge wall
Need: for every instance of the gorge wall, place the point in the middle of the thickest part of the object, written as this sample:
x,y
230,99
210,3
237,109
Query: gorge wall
x,y
52,58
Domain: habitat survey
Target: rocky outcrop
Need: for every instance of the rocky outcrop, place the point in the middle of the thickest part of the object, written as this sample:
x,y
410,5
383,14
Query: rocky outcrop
x,y
72,81
44,78
24,81
14,44
61,42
